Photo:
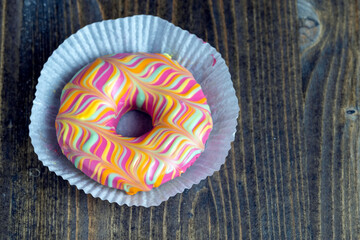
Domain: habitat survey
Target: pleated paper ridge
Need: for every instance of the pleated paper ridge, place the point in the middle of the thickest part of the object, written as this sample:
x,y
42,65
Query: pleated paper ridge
x,y
134,34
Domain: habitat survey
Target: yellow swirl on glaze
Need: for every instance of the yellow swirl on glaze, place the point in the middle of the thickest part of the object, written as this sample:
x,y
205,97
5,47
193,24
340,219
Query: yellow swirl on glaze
x,y
99,94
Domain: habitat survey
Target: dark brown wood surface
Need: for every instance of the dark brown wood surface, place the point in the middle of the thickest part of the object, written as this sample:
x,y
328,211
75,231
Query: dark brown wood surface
x,y
293,169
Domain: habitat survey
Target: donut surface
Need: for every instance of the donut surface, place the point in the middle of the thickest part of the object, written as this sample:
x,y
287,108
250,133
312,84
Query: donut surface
x,y
103,91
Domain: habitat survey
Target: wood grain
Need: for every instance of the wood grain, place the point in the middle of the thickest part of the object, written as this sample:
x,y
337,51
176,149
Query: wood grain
x,y
293,169
330,77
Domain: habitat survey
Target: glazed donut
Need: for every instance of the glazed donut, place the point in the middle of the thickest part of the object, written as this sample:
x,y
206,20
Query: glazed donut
x,y
103,91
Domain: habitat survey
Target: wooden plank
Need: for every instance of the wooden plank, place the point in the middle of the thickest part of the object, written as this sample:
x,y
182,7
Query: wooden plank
x,y
330,67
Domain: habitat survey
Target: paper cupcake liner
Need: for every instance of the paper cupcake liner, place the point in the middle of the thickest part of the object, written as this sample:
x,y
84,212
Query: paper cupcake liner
x,y
135,34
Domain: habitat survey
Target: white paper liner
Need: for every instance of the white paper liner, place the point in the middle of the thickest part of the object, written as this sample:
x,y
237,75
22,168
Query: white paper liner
x,y
135,34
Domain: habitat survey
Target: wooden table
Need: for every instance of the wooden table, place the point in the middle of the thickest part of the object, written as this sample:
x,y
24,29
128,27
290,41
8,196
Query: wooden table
x,y
293,169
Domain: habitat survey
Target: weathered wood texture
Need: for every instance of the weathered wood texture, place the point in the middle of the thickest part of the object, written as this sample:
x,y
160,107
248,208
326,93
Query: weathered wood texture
x,y
292,171
330,83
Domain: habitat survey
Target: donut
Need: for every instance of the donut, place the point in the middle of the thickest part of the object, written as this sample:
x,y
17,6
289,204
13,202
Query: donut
x,y
95,99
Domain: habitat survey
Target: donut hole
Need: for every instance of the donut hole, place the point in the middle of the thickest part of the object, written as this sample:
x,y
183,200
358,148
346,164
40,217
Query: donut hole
x,y
134,124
